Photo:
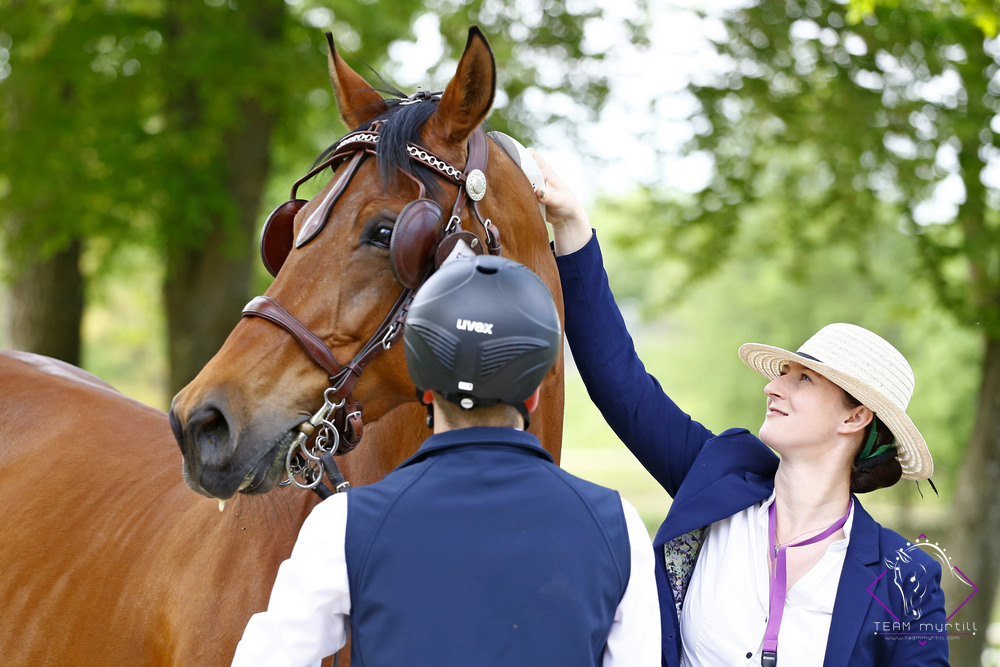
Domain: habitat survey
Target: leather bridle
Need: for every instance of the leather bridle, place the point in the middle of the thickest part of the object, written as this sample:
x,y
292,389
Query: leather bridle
x,y
338,425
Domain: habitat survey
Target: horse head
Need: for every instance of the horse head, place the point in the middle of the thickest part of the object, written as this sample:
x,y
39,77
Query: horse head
x,y
416,181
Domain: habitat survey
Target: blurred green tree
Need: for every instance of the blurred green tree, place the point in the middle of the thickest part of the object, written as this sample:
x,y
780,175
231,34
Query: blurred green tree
x,y
55,183
167,123
692,334
985,14
841,130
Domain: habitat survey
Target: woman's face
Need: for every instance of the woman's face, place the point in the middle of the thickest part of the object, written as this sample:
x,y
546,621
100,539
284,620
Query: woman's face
x,y
805,411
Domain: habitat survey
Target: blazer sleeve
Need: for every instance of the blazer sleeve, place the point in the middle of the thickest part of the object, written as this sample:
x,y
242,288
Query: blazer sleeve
x,y
661,436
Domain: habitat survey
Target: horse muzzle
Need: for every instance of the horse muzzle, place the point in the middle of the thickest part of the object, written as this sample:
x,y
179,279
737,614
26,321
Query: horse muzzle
x,y
219,463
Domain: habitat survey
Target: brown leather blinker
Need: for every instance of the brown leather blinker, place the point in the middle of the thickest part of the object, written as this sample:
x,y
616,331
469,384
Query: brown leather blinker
x,y
414,238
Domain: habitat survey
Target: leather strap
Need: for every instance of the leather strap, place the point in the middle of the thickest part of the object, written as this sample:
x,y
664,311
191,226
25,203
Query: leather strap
x,y
479,151
271,310
343,377
351,427
315,223
367,140
388,333
349,424
479,155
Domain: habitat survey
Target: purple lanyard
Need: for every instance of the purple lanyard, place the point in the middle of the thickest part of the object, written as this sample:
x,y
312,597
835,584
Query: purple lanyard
x,y
779,582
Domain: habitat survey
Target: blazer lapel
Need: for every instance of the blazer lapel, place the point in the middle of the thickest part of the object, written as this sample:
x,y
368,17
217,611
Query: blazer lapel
x,y
850,609
679,538
732,472
722,498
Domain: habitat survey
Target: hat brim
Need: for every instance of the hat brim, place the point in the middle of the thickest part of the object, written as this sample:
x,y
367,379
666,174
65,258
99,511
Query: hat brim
x,y
914,456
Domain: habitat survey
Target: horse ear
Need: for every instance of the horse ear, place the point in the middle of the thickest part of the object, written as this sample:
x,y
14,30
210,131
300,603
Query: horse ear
x,y
359,103
469,96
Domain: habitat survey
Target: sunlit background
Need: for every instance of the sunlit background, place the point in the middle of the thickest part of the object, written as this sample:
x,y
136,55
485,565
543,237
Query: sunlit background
x,y
718,229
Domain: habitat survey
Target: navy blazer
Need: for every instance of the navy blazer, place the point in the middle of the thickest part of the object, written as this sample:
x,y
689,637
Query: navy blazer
x,y
711,477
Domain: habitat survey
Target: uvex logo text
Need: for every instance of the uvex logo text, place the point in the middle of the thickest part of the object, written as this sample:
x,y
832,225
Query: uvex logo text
x,y
472,325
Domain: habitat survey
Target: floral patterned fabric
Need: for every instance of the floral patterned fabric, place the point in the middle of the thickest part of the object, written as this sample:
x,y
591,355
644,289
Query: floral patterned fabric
x,y
679,555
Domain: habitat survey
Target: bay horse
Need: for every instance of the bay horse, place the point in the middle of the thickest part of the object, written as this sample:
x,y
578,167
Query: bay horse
x,y
108,557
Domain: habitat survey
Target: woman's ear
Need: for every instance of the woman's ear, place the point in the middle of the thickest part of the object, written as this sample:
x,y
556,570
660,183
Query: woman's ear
x,y
428,397
858,419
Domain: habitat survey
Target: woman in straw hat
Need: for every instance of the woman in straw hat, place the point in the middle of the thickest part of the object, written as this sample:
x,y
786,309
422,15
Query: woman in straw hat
x,y
764,560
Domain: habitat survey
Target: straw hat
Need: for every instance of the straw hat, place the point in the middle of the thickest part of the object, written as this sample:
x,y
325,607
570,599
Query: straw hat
x,y
869,369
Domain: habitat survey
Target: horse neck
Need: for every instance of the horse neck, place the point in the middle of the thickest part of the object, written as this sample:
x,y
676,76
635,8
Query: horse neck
x,y
523,234
387,442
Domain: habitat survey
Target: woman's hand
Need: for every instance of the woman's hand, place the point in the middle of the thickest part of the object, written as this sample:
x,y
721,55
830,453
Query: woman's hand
x,y
570,223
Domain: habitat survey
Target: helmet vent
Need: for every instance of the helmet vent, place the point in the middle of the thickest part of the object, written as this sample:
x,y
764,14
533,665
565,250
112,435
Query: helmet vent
x,y
494,355
442,343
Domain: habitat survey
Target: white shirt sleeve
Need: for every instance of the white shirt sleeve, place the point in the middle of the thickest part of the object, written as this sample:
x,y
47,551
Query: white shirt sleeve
x,y
307,615
635,634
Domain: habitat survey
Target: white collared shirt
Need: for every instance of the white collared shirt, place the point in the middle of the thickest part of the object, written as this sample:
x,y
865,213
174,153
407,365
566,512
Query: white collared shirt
x,y
307,617
725,609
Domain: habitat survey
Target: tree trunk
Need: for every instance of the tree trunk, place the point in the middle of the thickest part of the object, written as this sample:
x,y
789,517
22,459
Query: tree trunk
x,y
46,306
206,288
208,279
204,293
974,539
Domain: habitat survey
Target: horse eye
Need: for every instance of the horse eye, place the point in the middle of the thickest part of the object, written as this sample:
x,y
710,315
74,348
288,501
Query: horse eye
x,y
380,235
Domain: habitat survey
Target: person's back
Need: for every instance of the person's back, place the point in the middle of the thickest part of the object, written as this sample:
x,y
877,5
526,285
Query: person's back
x,y
481,551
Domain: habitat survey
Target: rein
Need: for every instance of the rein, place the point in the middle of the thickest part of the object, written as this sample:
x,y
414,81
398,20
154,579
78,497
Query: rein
x,y
337,425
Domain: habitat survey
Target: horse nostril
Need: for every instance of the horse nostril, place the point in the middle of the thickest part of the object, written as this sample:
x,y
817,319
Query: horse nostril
x,y
176,427
208,430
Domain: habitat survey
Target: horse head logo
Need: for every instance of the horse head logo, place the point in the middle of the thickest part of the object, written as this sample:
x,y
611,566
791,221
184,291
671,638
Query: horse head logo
x,y
911,579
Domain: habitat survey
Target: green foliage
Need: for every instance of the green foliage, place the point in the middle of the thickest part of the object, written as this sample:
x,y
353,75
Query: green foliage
x,y
984,14
113,112
66,65
171,124
687,336
123,329
839,132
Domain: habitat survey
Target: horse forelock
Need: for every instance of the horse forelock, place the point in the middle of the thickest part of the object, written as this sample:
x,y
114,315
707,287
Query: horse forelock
x,y
401,124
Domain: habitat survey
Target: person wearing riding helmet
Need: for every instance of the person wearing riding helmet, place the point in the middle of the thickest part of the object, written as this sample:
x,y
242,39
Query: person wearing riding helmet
x,y
478,550
764,560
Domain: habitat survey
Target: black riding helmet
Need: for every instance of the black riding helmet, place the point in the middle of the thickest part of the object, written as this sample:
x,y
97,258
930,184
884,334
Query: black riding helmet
x,y
480,331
